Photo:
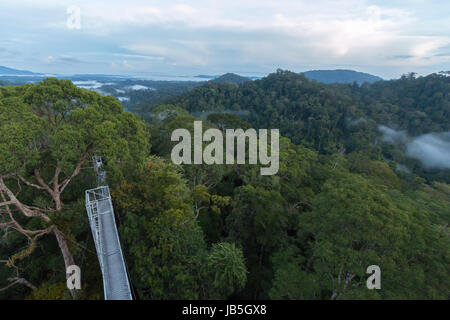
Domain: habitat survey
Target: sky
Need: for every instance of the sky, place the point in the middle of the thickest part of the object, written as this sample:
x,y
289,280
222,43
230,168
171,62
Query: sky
x,y
248,37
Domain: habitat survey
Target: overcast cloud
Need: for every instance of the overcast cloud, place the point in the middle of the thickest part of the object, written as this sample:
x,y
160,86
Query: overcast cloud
x,y
386,38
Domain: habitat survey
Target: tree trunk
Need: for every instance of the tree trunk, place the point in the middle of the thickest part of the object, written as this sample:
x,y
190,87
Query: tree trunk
x,y
67,255
57,199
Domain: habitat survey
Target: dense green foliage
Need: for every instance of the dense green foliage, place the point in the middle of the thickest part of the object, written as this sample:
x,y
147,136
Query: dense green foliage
x,y
335,118
311,231
336,205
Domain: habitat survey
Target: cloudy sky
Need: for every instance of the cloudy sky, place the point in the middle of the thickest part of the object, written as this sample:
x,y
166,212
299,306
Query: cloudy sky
x,y
252,37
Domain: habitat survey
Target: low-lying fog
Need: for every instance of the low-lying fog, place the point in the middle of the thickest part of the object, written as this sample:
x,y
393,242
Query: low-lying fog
x,y
432,149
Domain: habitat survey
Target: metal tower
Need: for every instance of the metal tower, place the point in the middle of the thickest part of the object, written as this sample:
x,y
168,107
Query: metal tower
x,y
106,238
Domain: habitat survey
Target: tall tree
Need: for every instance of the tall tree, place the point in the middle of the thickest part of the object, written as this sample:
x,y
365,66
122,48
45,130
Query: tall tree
x,y
49,133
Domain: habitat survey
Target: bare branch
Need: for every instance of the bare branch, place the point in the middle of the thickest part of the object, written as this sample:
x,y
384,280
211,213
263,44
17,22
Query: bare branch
x,y
6,203
75,172
17,280
55,179
30,184
42,182
6,224
23,208
38,209
19,228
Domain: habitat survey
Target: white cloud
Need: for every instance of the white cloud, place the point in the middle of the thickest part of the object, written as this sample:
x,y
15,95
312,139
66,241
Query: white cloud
x,y
331,32
239,33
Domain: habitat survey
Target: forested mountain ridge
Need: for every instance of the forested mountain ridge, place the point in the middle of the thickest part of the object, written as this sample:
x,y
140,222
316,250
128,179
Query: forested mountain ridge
x,y
10,71
224,231
333,117
341,76
425,100
230,78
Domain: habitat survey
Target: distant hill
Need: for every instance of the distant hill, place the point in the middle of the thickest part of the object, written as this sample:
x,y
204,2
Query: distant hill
x,y
231,78
10,71
206,76
340,76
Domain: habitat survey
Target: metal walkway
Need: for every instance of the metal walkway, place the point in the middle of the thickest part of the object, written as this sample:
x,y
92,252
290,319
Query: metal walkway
x,y
106,238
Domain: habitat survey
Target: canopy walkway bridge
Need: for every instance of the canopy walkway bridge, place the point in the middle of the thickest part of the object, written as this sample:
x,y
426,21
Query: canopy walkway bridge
x,y
100,211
